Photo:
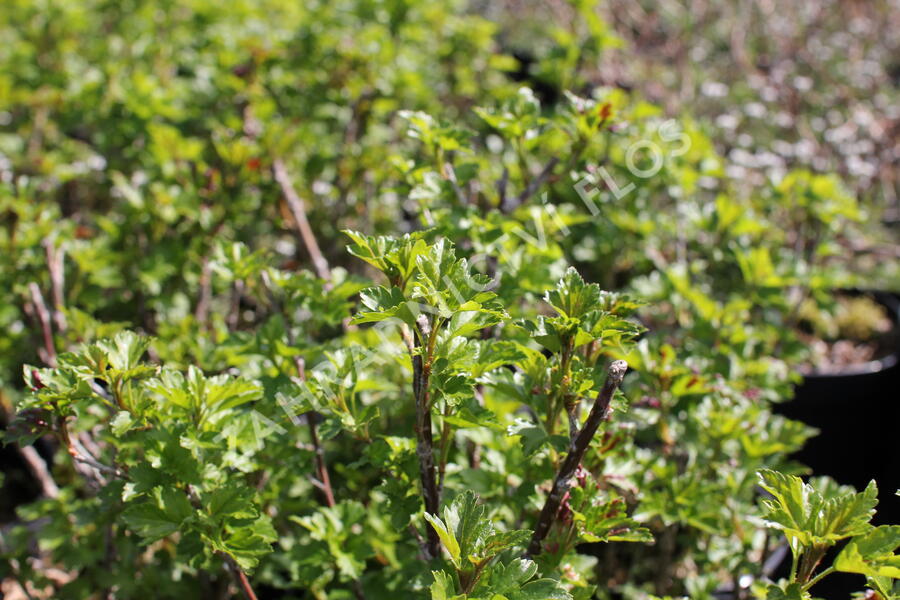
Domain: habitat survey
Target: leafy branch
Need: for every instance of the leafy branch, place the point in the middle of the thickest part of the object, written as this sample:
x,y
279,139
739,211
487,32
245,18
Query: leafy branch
x,y
577,448
474,546
815,518
435,298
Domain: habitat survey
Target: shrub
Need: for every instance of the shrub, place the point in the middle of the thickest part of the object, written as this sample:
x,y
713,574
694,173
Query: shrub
x,y
439,404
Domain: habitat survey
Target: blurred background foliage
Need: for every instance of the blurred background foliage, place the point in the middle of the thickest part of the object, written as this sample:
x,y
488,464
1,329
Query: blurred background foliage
x,y
137,134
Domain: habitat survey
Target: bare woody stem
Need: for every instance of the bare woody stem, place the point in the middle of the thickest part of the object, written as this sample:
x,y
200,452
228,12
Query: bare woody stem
x,y
572,412
39,470
322,475
577,448
444,451
43,317
501,190
809,562
450,175
533,185
81,455
240,578
424,441
298,211
57,283
34,462
321,466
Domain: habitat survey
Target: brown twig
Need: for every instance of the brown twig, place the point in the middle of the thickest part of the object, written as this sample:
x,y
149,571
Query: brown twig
x,y
473,452
80,455
321,465
450,175
423,544
201,312
577,448
39,470
57,284
233,319
322,474
443,449
535,183
809,562
322,479
43,317
240,578
572,413
49,357
298,211
501,189
32,459
424,440
667,546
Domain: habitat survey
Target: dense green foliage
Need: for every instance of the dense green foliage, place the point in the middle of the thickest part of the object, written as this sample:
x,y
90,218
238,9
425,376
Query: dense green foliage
x,y
318,298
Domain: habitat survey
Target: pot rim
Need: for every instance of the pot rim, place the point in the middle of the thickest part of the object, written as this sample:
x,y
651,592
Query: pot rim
x,y
891,301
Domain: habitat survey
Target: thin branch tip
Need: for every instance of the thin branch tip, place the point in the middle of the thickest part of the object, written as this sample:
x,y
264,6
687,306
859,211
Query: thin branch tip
x,y
577,448
617,371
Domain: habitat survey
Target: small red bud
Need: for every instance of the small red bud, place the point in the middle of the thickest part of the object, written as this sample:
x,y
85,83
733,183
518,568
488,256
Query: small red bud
x,y
36,379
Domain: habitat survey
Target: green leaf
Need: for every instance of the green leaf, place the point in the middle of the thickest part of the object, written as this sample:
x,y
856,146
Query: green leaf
x,y
814,517
757,267
396,258
542,589
447,537
887,587
149,521
466,518
599,521
872,554
205,398
234,261
122,423
502,540
382,304
443,587
467,322
248,543
446,284
493,354
573,298
224,392
125,350
232,501
792,591
510,577
160,516
468,535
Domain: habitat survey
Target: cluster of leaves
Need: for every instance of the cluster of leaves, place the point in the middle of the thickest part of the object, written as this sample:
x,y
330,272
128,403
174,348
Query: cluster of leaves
x,y
165,452
472,543
814,519
390,423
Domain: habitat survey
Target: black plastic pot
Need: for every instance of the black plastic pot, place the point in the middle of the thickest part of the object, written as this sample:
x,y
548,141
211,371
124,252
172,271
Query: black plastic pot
x,y
857,413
